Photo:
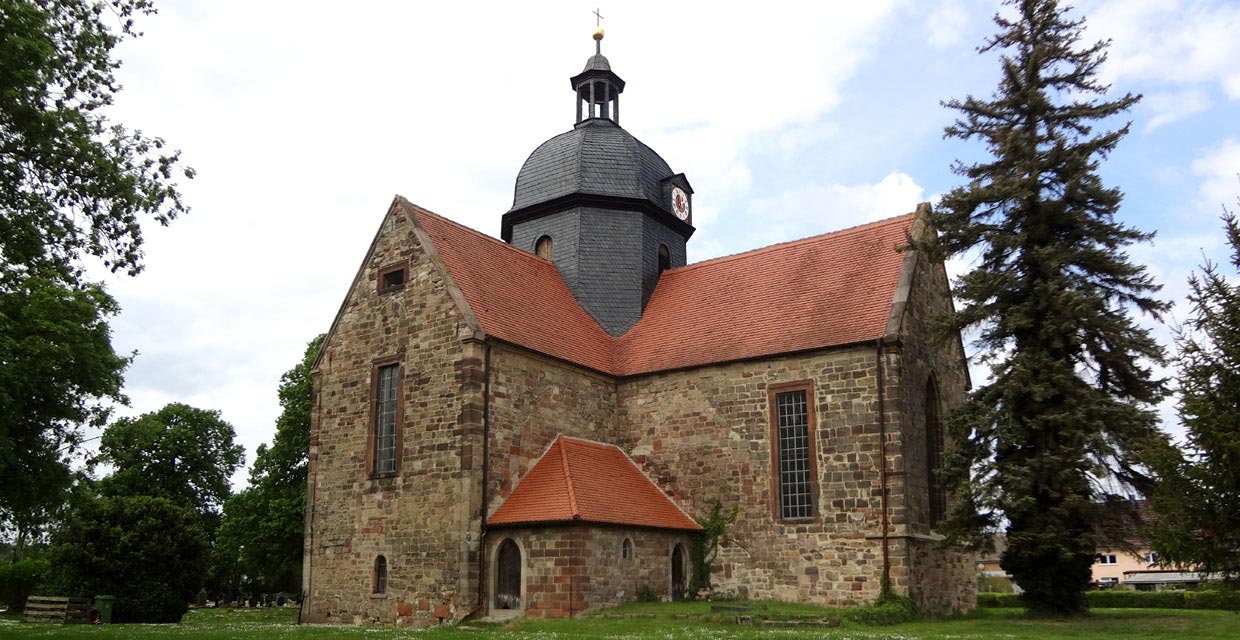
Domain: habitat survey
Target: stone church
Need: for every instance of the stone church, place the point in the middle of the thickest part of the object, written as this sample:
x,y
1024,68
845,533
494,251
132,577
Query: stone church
x,y
528,426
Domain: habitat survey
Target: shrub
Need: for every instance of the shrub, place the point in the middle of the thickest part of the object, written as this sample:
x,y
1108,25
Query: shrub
x,y
148,552
19,580
1223,599
999,600
646,594
1124,599
888,610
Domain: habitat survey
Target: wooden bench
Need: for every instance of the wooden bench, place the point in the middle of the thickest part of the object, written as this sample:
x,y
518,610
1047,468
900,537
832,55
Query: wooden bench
x,y
57,610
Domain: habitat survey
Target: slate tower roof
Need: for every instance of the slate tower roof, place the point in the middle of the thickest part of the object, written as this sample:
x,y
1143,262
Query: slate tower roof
x,y
608,211
597,158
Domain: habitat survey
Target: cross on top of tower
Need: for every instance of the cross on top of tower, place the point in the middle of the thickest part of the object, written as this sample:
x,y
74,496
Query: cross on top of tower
x,y
598,18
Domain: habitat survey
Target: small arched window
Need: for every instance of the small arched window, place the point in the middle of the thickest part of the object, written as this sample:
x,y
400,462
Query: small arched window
x,y
544,248
379,579
934,453
508,576
665,258
626,549
680,572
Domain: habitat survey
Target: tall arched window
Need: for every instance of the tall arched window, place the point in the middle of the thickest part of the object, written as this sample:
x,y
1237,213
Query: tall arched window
x,y
544,248
379,578
665,258
934,453
508,576
626,549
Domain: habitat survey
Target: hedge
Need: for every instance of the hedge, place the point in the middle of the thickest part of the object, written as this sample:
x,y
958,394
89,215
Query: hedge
x,y
19,580
1228,600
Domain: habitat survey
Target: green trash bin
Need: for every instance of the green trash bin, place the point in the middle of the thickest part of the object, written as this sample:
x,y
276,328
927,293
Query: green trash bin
x,y
104,605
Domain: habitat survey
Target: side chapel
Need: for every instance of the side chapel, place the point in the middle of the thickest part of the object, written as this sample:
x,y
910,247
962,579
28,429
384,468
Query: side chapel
x,y
527,426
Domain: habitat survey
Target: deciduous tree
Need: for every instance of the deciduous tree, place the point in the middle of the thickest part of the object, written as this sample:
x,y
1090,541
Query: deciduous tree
x,y
263,527
148,552
58,371
181,453
1051,295
72,183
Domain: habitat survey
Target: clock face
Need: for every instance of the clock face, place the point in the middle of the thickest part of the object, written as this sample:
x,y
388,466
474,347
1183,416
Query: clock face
x,y
680,203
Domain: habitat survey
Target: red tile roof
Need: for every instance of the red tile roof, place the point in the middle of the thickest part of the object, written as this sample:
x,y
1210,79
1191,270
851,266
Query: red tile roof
x,y
583,481
518,296
822,291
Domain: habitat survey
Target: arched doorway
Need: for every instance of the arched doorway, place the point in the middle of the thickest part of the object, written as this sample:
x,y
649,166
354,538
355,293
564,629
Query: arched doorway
x,y
680,573
508,576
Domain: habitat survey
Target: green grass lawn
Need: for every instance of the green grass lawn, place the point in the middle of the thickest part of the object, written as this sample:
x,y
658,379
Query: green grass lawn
x,y
668,621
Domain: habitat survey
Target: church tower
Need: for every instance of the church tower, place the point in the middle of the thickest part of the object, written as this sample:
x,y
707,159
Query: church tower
x,y
603,207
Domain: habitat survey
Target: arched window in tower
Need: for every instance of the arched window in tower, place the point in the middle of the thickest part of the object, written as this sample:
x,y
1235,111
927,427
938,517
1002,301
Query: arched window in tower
x,y
508,576
544,248
934,453
379,577
665,259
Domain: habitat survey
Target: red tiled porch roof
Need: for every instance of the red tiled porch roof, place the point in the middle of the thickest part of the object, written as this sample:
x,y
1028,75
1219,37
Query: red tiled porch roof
x,y
822,291
583,481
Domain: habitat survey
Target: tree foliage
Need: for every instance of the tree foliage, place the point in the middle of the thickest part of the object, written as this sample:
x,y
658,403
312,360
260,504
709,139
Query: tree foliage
x,y
1065,415
263,528
72,185
184,454
1198,500
148,552
71,182
58,371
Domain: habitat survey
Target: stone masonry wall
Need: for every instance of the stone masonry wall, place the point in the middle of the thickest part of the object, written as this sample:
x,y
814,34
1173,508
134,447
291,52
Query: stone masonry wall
x,y
423,519
568,570
706,433
943,580
534,399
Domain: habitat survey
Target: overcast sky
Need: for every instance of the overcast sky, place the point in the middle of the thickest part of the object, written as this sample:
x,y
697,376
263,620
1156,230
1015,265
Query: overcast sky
x,y
790,120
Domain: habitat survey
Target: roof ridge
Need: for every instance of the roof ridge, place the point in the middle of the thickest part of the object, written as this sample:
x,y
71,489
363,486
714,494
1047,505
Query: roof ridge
x,y
523,254
568,479
593,443
797,242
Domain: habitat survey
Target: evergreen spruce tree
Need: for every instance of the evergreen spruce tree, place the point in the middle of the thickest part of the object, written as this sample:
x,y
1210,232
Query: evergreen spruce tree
x,y
1065,420
1198,500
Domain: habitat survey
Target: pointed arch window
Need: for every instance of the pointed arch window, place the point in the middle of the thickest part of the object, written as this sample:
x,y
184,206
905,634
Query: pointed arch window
x,y
934,453
665,259
626,549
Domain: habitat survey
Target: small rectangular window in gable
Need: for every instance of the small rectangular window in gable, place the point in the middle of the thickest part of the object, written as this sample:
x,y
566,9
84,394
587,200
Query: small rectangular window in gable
x,y
391,278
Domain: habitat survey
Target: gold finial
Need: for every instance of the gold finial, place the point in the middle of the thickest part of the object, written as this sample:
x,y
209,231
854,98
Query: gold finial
x,y
598,33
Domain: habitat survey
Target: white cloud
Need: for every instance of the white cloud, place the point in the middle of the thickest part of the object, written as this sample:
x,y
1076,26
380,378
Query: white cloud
x,y
1173,106
812,209
946,24
1219,169
303,124
1181,42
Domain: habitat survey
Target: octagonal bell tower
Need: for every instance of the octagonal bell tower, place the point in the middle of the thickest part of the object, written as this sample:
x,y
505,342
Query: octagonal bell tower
x,y
603,207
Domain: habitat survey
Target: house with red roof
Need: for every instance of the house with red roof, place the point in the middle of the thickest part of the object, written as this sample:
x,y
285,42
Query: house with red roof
x,y
533,424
